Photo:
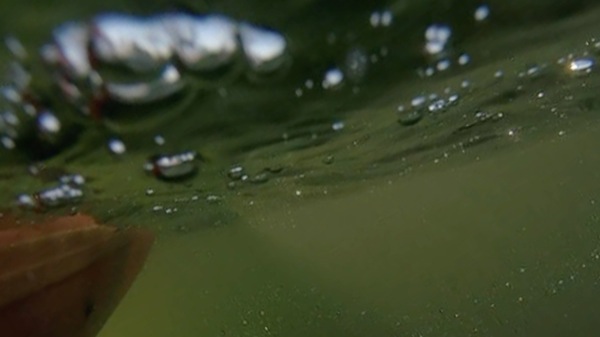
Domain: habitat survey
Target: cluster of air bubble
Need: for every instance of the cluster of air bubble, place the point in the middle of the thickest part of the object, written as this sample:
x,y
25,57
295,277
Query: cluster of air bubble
x,y
83,58
68,191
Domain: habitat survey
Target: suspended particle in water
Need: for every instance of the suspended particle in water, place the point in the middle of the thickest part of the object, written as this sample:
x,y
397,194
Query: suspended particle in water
x,y
540,94
465,84
498,74
309,84
116,146
298,92
333,78
580,66
172,166
149,191
481,13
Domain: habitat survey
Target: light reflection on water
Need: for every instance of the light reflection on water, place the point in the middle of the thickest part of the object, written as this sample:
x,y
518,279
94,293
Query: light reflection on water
x,y
471,210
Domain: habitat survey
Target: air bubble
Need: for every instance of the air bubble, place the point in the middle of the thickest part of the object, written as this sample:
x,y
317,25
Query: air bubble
x,y
481,13
333,78
437,37
116,146
337,126
159,140
581,66
464,59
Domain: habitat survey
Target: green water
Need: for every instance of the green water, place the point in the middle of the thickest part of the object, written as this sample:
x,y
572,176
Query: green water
x,y
449,227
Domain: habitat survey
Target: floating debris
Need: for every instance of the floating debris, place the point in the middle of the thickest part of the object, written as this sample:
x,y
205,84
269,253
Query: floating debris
x,y
172,166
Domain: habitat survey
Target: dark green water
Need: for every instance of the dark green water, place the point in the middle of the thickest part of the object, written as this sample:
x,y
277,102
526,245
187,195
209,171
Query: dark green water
x,y
454,226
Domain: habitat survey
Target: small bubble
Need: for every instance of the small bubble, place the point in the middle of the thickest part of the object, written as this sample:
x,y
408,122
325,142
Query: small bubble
x,y
159,140
212,199
443,65
386,18
375,19
338,126
464,59
499,74
410,118
437,106
328,160
26,201
540,94
465,84
7,142
436,36
298,92
581,66
236,172
298,193
309,84
418,101
149,192
116,146
48,123
481,13
333,78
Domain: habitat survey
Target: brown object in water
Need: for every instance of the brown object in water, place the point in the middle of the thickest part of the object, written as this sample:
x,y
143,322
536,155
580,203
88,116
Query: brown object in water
x,y
64,278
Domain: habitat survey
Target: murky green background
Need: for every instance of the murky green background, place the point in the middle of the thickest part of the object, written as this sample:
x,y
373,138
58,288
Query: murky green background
x,y
450,227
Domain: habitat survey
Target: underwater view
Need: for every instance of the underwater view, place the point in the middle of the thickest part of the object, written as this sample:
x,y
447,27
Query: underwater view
x,y
303,168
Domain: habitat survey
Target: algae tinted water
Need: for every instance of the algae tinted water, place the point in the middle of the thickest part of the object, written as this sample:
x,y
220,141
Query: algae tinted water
x,y
421,168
